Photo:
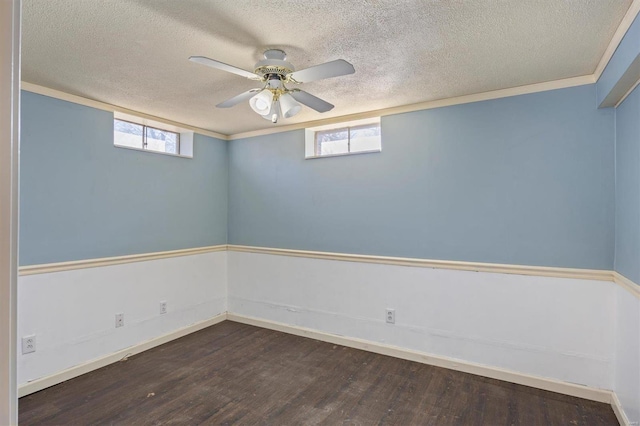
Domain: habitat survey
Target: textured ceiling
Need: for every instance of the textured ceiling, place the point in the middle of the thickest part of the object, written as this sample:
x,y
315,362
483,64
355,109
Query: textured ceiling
x,y
134,53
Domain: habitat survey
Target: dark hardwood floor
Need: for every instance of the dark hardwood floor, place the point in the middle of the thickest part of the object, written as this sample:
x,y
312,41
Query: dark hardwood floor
x,y
238,374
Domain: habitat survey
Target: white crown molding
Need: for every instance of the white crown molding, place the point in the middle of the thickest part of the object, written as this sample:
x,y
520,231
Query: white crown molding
x,y
542,271
57,94
116,260
593,394
459,100
70,373
624,26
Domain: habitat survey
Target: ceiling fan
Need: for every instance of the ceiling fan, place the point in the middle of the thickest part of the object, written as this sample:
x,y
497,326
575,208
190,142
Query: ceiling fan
x,y
274,99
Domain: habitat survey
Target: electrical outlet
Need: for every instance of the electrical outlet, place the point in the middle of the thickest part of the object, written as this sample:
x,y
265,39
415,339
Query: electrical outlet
x,y
391,316
28,344
119,320
163,308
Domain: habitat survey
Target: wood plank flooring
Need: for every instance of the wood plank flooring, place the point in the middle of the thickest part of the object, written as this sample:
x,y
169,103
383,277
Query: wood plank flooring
x,y
233,373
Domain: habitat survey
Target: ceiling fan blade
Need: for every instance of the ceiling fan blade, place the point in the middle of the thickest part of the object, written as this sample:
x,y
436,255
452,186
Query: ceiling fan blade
x,y
224,67
311,101
327,70
237,99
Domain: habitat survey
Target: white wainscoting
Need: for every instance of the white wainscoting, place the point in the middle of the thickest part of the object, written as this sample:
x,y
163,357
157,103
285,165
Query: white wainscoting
x,y
627,361
72,312
557,328
554,330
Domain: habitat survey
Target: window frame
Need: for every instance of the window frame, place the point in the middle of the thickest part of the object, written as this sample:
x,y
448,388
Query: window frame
x,y
311,137
144,143
184,137
144,138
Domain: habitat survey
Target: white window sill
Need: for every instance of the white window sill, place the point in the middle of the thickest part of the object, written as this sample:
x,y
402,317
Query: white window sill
x,y
342,155
150,151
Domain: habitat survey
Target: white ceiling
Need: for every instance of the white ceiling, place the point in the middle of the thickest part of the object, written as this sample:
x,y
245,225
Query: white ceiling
x,y
134,53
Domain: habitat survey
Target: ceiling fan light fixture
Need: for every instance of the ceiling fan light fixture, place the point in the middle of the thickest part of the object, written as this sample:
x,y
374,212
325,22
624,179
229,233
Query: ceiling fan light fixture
x,y
274,113
261,103
274,71
289,106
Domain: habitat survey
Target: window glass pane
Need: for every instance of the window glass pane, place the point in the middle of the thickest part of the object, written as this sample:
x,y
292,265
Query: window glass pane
x,y
332,142
127,134
162,141
366,138
351,137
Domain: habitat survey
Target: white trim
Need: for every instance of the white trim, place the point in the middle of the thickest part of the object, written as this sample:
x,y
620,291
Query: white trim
x,y
151,151
627,284
477,97
497,268
9,188
600,395
623,87
542,271
116,260
626,95
70,373
346,154
624,26
185,144
585,274
310,137
57,94
618,410
117,115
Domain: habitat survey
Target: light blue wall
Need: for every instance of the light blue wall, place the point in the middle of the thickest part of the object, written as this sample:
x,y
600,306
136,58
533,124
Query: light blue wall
x,y
82,198
627,260
628,50
521,180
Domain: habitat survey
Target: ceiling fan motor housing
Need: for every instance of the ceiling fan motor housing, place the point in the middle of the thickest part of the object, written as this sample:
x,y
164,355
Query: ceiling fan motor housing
x,y
274,65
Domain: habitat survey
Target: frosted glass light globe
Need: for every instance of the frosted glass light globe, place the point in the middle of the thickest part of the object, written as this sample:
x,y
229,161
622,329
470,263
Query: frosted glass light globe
x,y
261,103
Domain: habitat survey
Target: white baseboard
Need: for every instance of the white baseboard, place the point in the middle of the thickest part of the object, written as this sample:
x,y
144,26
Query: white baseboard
x,y
619,412
70,373
593,394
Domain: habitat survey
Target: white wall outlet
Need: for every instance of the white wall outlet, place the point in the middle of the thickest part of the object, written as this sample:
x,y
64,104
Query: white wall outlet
x,y
391,316
28,344
163,308
119,320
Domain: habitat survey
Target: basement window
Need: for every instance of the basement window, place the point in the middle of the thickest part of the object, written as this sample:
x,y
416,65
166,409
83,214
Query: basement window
x,y
146,135
354,137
